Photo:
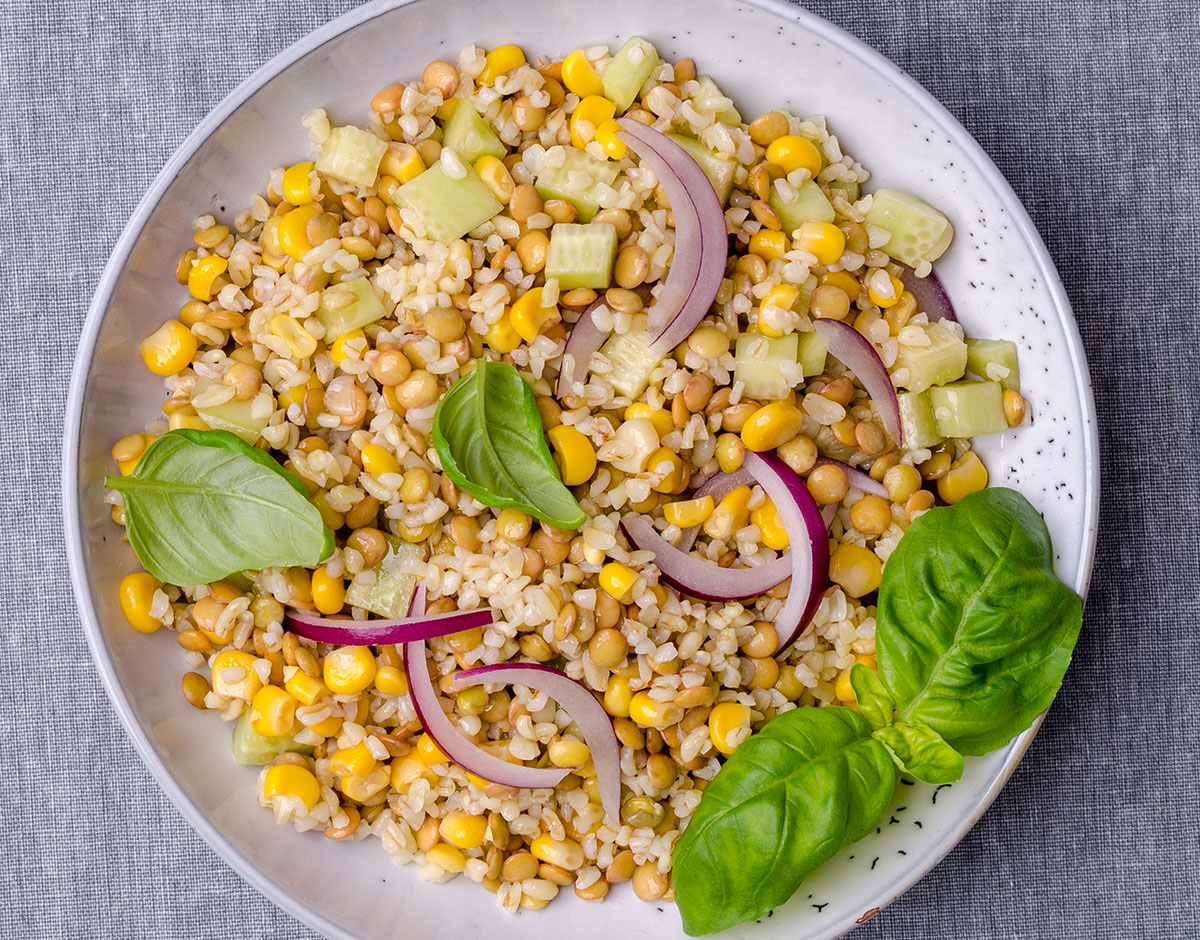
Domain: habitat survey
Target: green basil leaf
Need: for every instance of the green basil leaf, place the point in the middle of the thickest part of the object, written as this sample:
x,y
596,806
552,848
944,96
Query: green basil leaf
x,y
974,631
488,433
920,751
811,781
201,505
874,702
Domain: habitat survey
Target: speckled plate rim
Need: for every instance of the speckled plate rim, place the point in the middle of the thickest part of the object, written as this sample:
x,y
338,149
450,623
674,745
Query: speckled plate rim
x,y
227,107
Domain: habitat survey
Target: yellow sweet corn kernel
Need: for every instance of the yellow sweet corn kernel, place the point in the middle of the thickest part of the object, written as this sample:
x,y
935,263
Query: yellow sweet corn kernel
x,y
594,110
659,417
723,720
338,351
824,240
328,728
328,591
782,298
169,349
502,337
292,231
770,526
568,753
966,475
272,712
363,788
884,289
771,426
391,681
403,162
406,771
574,454
666,462
731,514
292,780
606,136
136,594
794,153
618,580
856,569
495,177
580,76
428,751
447,858
617,697
300,342
651,713
500,61
297,188
377,460
304,688
464,830
349,670
846,281
354,761
844,690
768,244
234,676
204,272
689,512
528,314
183,419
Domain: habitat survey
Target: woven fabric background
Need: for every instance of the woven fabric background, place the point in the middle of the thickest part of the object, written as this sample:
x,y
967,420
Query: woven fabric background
x,y
1092,111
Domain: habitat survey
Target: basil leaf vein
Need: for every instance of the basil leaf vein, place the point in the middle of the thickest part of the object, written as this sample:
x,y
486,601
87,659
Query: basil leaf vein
x,y
488,432
202,505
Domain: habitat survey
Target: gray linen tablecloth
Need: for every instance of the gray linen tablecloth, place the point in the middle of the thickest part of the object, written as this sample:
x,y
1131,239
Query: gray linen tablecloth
x,y
1092,111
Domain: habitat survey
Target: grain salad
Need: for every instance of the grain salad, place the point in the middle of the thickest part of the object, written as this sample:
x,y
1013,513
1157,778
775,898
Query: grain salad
x,y
329,320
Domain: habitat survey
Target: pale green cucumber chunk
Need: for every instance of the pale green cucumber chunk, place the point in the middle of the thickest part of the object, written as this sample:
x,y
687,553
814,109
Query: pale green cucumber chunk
x,y
469,136
351,155
251,748
575,181
627,72
916,420
757,362
363,310
919,231
810,205
233,416
391,593
708,89
631,358
447,208
718,167
968,408
811,353
982,353
582,255
848,188
943,360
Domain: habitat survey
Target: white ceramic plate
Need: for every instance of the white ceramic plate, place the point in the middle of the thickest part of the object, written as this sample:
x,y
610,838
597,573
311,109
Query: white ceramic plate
x,y
998,272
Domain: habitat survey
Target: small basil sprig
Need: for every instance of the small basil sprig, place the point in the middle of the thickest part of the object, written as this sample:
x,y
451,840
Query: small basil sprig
x,y
201,505
488,433
974,632
810,782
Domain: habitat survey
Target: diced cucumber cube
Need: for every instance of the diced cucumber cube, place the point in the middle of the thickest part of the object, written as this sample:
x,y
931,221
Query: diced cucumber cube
x,y
352,155
234,416
916,420
919,231
575,181
447,208
994,359
469,136
811,353
968,408
631,358
708,89
582,255
759,363
627,72
251,748
848,188
391,593
942,361
810,205
364,309
718,167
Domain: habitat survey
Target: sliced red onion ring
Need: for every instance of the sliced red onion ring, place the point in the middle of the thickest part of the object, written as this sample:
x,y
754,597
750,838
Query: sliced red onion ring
x,y
698,576
930,294
855,351
858,479
345,632
446,735
701,239
808,557
578,702
583,342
